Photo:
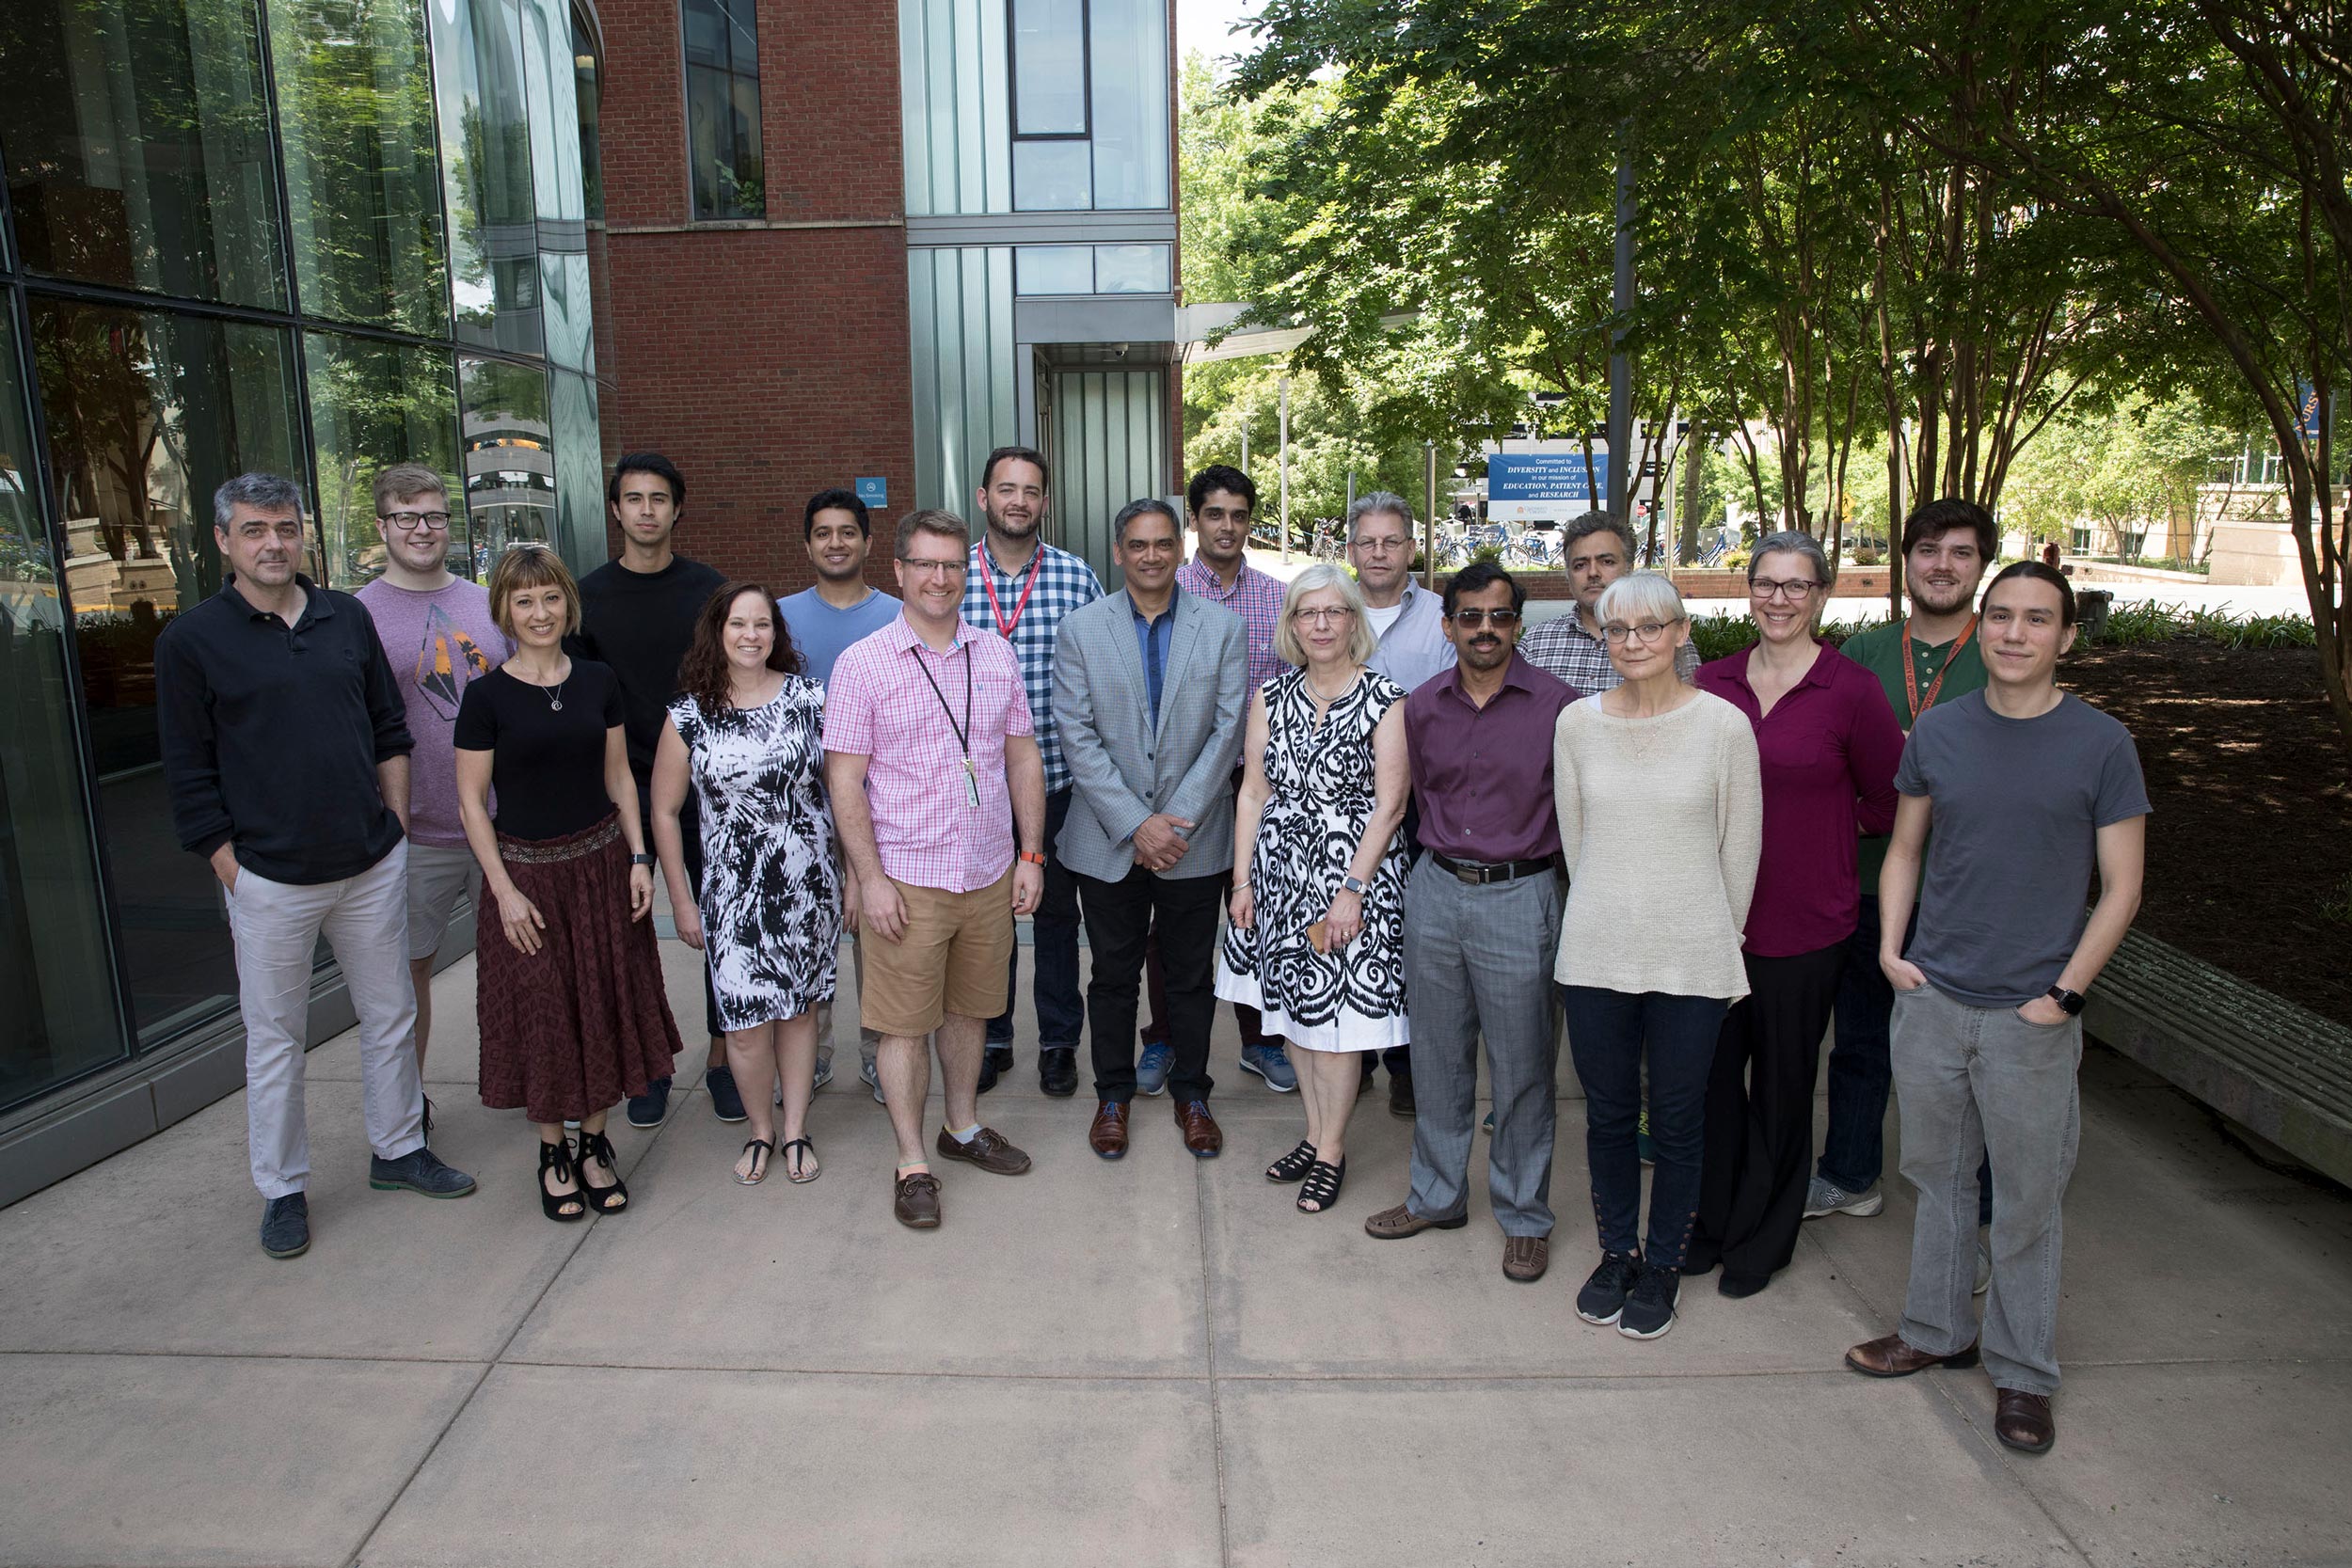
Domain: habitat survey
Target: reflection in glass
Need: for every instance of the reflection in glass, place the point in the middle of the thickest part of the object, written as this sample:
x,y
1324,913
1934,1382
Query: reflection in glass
x,y
1130,269
579,474
587,72
354,97
509,456
58,1019
1053,269
1052,176
147,413
139,142
1130,57
730,171
374,404
485,164
1049,68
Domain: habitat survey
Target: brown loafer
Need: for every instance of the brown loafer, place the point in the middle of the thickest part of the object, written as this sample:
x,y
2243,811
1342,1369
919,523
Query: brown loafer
x,y
1893,1357
2023,1422
1109,1136
1203,1138
989,1149
1391,1225
917,1201
1526,1257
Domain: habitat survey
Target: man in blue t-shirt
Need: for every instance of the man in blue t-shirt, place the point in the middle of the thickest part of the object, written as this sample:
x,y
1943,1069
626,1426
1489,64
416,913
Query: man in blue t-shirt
x,y
2028,791
838,533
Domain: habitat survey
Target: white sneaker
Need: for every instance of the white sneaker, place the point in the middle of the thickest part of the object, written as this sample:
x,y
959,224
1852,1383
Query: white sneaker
x,y
1827,1197
824,1076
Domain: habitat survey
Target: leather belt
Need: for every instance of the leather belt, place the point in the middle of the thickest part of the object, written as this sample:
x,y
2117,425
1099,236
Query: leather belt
x,y
1478,872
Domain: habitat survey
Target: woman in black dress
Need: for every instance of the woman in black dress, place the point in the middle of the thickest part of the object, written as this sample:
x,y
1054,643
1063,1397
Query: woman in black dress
x,y
568,995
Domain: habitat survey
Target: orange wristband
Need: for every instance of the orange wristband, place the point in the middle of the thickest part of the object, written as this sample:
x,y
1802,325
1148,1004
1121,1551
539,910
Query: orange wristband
x,y
1032,859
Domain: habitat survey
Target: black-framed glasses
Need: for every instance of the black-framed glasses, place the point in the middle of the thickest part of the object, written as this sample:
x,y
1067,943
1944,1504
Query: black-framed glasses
x,y
416,522
1501,620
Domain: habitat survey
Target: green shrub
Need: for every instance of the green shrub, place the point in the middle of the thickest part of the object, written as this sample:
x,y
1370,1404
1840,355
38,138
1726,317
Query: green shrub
x,y
2134,625
1720,636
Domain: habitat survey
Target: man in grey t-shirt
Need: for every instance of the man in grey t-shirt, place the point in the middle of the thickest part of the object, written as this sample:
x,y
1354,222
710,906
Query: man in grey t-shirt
x,y
2028,789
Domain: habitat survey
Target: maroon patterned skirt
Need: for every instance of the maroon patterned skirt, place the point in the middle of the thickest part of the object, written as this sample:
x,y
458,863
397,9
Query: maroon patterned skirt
x,y
571,1029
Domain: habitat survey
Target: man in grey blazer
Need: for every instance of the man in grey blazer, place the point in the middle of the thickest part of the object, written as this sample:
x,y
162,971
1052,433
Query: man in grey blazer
x,y
1149,685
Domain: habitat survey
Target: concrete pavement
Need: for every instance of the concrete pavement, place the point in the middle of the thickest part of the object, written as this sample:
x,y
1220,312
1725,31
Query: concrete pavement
x,y
1154,1361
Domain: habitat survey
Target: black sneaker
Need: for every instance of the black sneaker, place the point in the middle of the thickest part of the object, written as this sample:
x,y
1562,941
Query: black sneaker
x,y
1603,1297
995,1061
650,1109
1649,1310
286,1226
420,1170
726,1100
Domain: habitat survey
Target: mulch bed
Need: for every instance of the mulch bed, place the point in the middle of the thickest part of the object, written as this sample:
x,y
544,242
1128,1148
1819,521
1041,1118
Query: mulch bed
x,y
2252,788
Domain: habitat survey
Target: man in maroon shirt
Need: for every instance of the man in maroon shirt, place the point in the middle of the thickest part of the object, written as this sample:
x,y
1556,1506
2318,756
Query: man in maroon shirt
x,y
1482,924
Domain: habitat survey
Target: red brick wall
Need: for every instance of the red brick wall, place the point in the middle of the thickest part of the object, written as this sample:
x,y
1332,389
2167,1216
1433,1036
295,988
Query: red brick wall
x,y
768,360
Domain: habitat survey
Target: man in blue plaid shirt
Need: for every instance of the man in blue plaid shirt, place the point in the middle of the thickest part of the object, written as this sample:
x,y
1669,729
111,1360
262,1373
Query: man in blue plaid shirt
x,y
1020,587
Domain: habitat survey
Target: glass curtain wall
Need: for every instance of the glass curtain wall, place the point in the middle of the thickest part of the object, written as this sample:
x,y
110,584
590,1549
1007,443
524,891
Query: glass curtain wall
x,y
309,236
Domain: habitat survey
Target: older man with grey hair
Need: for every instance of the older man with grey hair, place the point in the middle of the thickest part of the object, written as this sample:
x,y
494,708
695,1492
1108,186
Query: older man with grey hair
x,y
1406,618
285,749
1596,550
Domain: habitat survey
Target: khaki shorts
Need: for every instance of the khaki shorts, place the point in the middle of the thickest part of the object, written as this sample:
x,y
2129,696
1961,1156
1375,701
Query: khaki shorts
x,y
438,877
951,958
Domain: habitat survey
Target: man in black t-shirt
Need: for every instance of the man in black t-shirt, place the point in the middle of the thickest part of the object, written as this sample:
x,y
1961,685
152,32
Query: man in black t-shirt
x,y
636,615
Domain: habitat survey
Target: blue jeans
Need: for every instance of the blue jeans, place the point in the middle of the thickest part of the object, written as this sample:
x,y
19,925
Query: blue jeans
x,y
1607,1032
1853,1150
1060,1012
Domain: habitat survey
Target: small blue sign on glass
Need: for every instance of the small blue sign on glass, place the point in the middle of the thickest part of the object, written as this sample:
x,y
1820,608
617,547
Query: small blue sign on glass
x,y
874,491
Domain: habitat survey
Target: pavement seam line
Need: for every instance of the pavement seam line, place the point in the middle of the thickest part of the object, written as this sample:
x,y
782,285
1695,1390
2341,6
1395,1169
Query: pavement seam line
x,y
497,1357
1208,1335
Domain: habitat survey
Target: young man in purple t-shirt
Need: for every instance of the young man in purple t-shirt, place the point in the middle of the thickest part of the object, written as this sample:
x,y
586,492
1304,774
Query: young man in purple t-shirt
x,y
437,631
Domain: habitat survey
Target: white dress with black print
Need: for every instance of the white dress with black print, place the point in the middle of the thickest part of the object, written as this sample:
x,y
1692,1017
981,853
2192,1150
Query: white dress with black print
x,y
770,896
1319,780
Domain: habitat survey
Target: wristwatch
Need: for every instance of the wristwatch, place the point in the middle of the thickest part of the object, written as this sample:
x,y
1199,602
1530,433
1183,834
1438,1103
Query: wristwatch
x,y
1350,884
2070,1002
641,860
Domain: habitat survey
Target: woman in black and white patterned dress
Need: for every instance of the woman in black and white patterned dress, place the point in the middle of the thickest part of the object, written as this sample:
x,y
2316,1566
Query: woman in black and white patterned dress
x,y
1318,905
746,734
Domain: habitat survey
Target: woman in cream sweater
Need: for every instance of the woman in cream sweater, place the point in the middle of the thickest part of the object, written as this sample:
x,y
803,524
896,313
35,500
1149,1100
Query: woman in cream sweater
x,y
1662,821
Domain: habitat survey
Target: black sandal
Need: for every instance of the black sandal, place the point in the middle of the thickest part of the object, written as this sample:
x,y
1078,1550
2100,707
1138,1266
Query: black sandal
x,y
759,1165
1322,1187
557,1157
807,1161
1294,1165
604,1200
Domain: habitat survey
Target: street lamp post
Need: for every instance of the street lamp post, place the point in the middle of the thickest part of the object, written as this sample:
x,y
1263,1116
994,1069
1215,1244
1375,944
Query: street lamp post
x,y
1285,388
1429,514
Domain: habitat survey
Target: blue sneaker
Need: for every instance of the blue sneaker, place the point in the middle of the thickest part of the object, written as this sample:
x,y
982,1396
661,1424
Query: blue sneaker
x,y
1151,1071
1272,1064
651,1108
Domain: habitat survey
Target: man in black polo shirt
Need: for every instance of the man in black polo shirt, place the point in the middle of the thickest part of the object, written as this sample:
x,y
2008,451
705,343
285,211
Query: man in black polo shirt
x,y
285,747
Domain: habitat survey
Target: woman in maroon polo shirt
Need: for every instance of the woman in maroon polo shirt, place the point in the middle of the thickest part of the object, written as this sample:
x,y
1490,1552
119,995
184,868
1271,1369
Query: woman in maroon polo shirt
x,y
1829,745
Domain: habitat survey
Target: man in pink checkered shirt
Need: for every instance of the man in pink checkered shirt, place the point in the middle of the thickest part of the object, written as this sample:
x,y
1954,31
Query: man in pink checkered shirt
x,y
932,765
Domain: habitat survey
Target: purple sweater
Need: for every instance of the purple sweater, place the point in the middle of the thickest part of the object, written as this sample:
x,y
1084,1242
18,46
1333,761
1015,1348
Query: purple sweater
x,y
1829,750
437,643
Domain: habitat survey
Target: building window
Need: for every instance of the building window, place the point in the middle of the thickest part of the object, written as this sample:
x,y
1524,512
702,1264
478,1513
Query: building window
x,y
1099,269
723,110
1049,68
587,83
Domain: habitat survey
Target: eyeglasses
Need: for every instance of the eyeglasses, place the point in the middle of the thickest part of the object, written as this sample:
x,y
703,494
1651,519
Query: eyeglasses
x,y
1501,620
1765,588
1647,631
1323,614
944,569
416,522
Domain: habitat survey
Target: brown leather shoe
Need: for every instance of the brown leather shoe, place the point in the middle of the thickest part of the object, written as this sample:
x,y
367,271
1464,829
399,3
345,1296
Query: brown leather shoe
x,y
1109,1136
1391,1225
989,1149
1526,1257
917,1201
2022,1420
1203,1138
1893,1357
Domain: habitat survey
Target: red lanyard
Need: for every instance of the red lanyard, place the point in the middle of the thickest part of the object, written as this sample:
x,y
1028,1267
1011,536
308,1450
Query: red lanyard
x,y
1912,695
988,580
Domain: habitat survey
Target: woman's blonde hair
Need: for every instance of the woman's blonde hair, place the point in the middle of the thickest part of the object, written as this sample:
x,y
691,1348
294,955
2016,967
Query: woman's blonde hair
x,y
531,564
1315,578
1640,595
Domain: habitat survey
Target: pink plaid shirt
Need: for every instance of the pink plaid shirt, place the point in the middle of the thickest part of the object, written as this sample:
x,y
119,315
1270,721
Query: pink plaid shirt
x,y
1256,596
878,707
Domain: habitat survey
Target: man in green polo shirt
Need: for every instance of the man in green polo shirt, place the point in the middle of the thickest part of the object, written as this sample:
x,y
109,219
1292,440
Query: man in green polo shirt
x,y
1929,656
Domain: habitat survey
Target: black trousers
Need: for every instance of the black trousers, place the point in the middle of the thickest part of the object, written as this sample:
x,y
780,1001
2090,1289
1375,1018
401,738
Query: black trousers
x,y
1122,918
1759,1116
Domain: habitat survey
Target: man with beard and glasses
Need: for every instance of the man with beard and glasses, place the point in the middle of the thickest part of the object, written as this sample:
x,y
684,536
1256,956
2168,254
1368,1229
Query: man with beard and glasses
x,y
1931,656
1482,922
1597,551
838,533
1020,587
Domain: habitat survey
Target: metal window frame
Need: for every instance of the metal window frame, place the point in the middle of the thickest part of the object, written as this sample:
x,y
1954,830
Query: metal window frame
x,y
1086,76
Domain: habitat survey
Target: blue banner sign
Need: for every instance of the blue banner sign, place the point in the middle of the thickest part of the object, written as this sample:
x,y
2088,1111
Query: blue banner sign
x,y
1530,479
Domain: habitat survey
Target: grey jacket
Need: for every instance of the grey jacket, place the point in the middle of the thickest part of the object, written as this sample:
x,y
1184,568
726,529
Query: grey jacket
x,y
1122,767
1414,647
